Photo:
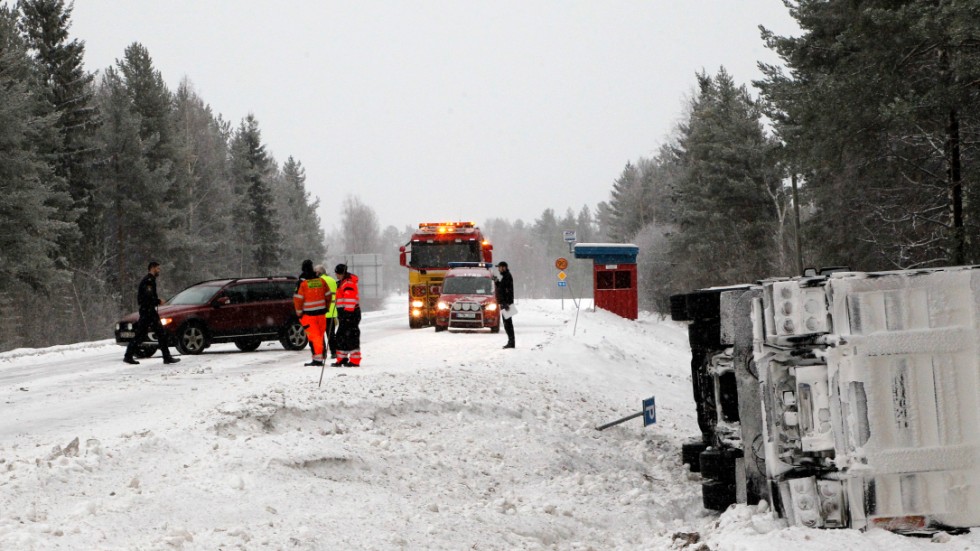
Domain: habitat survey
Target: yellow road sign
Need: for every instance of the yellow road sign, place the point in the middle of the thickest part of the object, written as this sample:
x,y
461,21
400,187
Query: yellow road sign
x,y
562,276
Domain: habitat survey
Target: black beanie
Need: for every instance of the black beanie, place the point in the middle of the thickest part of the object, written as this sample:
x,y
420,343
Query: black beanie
x,y
340,269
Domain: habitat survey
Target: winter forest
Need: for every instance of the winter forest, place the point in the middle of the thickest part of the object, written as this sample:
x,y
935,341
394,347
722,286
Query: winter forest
x,y
859,150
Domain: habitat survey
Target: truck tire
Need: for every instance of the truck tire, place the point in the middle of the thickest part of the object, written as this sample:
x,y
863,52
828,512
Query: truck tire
x,y
717,495
719,464
690,452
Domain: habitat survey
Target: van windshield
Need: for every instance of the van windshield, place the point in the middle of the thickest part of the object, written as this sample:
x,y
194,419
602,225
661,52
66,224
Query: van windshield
x,y
199,294
467,286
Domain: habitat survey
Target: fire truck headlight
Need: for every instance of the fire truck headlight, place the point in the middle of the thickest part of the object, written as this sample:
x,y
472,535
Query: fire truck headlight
x,y
442,306
416,313
492,307
417,304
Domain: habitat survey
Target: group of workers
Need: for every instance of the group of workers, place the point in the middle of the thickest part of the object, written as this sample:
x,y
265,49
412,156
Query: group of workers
x,y
329,310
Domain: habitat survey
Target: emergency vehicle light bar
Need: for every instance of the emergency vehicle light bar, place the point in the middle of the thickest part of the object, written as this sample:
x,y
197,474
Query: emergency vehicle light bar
x,y
471,265
424,225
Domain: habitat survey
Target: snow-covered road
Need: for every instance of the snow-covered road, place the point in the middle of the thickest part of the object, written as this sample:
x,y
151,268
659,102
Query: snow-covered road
x,y
441,441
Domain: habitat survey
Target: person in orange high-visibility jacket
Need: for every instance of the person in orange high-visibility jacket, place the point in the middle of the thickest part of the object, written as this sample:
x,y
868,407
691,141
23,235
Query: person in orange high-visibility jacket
x,y
311,301
349,316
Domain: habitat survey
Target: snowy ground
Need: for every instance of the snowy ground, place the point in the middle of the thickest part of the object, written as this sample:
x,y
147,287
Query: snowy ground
x,y
440,441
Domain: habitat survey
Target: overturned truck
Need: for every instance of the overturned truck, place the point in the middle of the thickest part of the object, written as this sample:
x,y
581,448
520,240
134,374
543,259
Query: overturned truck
x,y
844,399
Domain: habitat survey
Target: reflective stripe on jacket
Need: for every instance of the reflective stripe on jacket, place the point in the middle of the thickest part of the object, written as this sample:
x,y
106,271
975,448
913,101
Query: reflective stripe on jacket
x,y
311,297
347,295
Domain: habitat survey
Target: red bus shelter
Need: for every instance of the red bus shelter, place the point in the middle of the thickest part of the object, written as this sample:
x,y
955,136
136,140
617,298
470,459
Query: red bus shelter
x,y
613,276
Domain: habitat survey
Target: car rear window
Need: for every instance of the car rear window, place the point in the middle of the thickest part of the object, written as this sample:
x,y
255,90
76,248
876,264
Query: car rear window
x,y
199,294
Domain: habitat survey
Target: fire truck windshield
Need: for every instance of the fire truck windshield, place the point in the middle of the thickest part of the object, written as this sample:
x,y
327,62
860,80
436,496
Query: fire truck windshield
x,y
440,254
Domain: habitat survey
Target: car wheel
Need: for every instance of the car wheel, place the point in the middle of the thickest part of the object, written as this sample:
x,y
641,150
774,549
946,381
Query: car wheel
x,y
495,329
440,328
247,345
146,352
192,339
293,336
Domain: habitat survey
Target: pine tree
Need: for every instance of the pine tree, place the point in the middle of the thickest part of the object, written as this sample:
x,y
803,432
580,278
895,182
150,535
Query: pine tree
x,y
254,213
725,198
202,196
29,219
302,236
877,112
68,89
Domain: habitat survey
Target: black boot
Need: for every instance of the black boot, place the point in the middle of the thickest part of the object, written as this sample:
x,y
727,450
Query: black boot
x,y
509,345
129,360
171,360
314,363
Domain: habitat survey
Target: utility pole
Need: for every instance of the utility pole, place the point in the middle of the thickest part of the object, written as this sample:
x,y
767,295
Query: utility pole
x,y
796,224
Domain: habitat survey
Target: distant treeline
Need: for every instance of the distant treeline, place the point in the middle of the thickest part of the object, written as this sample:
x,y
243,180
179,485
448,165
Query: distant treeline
x,y
874,115
100,175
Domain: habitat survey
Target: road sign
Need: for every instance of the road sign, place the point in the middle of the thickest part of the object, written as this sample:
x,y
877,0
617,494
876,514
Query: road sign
x,y
649,411
561,263
569,236
562,276
563,284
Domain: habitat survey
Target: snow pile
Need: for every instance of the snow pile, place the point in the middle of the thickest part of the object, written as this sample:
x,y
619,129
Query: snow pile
x,y
442,441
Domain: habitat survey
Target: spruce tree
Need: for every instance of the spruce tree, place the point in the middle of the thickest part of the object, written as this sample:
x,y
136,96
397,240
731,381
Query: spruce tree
x,y
254,213
726,196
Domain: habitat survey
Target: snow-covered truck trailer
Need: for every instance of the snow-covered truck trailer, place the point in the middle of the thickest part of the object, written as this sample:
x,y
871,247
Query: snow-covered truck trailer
x,y
427,256
844,399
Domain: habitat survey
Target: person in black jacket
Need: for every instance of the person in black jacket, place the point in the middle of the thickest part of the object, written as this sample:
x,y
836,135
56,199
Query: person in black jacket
x,y
146,297
505,299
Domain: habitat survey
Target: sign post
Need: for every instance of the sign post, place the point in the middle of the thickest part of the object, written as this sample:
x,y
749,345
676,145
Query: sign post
x,y
649,414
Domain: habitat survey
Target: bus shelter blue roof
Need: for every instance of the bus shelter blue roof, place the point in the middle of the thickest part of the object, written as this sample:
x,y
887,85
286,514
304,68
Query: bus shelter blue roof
x,y
607,253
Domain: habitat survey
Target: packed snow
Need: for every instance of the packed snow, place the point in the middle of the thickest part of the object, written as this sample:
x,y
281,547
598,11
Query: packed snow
x,y
439,441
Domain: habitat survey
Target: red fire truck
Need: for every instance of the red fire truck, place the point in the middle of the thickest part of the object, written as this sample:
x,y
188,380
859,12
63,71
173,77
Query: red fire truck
x,y
427,256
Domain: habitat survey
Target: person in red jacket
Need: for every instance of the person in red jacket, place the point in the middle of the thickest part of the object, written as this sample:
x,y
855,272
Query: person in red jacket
x,y
311,301
349,317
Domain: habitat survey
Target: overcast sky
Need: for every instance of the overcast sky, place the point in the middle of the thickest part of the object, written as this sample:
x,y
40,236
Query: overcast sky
x,y
436,110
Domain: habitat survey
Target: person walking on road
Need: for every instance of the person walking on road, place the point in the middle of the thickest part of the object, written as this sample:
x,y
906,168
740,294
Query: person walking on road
x,y
331,310
310,302
349,316
146,297
505,300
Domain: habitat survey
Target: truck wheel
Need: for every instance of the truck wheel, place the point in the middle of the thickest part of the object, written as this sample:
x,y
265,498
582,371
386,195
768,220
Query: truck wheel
x,y
414,323
717,495
690,453
719,464
440,328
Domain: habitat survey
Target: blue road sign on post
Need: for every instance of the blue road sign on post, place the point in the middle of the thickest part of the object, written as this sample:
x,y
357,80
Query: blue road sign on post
x,y
649,411
562,284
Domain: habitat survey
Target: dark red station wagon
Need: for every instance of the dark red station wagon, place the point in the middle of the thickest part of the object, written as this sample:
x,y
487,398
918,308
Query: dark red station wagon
x,y
245,311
